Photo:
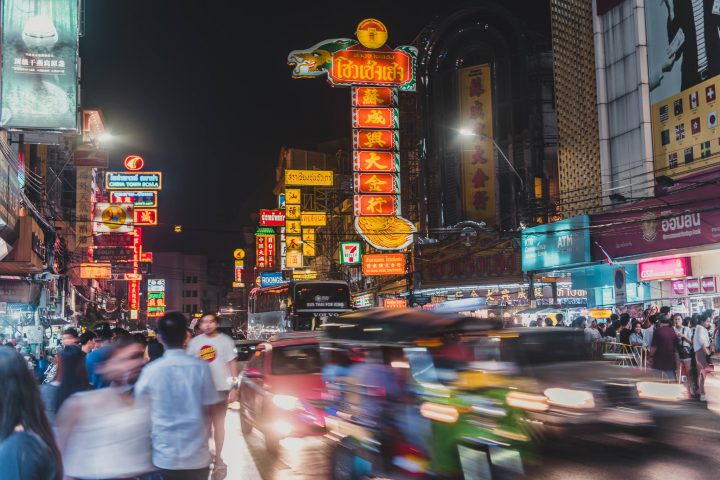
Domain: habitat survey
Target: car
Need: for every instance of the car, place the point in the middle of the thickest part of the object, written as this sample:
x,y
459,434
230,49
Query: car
x,y
568,395
281,389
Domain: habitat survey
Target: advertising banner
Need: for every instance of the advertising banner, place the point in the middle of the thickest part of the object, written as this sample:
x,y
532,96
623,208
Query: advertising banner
x,y
383,264
557,244
113,218
133,181
139,199
292,212
113,254
664,269
395,303
317,178
39,64
684,64
477,154
370,161
270,279
272,218
134,295
375,118
156,285
292,196
376,205
671,222
374,97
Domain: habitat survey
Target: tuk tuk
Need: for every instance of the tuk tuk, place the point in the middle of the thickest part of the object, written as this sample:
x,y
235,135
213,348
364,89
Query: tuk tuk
x,y
405,399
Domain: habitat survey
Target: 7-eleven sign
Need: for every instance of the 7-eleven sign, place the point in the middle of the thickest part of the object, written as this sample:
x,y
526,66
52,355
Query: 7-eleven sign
x,y
350,253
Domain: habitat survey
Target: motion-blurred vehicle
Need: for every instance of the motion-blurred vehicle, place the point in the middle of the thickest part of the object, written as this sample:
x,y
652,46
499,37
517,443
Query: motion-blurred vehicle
x,y
712,392
280,387
407,407
567,395
296,306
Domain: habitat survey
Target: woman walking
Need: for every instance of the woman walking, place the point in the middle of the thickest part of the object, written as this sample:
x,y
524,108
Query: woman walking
x,y
27,447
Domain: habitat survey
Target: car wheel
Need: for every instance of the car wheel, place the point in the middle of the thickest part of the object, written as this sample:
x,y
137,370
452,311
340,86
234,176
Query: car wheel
x,y
245,425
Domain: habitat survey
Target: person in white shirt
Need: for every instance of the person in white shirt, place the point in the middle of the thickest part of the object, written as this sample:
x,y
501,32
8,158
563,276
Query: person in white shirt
x,y
218,350
701,344
181,392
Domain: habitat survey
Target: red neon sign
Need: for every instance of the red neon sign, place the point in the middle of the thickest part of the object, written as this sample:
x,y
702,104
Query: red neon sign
x,y
665,268
134,163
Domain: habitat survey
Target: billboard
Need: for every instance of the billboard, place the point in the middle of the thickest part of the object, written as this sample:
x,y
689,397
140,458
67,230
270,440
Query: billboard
x,y
272,218
684,63
557,244
350,253
139,199
145,216
133,181
383,264
477,152
113,218
317,178
39,64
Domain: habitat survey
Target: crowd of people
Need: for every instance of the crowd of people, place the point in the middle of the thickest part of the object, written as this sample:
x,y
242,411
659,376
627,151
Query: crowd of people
x,y
679,348
120,406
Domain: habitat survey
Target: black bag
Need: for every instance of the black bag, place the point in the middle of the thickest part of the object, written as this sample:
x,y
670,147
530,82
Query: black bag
x,y
685,351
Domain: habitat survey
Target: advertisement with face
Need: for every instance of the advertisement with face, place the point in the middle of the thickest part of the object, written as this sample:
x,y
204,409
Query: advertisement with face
x,y
39,64
684,63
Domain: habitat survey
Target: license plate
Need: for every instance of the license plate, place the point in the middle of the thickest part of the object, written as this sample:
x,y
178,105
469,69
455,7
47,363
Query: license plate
x,y
627,417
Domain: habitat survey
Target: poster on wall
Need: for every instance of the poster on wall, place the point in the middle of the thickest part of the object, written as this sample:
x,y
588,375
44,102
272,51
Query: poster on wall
x,y
39,64
684,64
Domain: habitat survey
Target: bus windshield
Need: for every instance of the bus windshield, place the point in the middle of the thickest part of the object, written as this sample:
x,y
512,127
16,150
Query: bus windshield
x,y
322,297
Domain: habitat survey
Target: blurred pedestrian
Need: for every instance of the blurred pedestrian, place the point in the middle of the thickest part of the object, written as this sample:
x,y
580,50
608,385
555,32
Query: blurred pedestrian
x,y
105,433
612,330
103,337
560,320
636,337
181,392
548,322
87,342
685,351
153,350
701,344
664,348
71,378
41,366
70,337
27,446
623,333
218,350
649,331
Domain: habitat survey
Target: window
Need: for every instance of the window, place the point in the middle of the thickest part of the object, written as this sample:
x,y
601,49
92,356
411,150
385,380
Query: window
x,y
296,360
187,308
194,308
187,279
194,280
194,293
187,293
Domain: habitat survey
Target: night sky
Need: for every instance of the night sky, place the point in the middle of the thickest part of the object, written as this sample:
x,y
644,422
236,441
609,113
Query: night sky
x,y
202,91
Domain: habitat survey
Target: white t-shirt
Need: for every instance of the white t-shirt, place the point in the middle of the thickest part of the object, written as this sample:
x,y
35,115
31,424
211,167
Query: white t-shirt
x,y
217,351
702,338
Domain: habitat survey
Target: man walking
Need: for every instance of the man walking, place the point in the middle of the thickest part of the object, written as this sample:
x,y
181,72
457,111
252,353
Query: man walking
x,y
181,393
664,348
103,336
218,350
701,345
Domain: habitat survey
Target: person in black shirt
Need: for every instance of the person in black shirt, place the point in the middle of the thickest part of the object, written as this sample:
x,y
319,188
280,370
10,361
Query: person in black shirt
x,y
625,330
27,447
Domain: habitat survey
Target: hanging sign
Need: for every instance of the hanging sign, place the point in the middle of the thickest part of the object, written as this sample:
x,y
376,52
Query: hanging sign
x,y
383,264
272,218
139,199
376,140
375,183
350,253
317,178
134,163
375,118
313,219
292,196
145,216
95,270
113,218
371,161
133,181
374,97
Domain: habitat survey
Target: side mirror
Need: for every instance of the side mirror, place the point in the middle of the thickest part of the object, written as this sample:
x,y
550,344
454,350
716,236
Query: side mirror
x,y
253,373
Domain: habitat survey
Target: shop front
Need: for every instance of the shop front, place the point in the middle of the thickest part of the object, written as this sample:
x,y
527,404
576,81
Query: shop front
x,y
672,242
552,255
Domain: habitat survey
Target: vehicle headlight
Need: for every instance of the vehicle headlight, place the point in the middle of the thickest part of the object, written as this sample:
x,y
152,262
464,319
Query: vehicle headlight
x,y
565,397
287,402
661,391
527,401
439,412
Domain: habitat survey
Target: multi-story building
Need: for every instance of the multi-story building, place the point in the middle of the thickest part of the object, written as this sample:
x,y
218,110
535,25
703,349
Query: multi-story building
x,y
188,288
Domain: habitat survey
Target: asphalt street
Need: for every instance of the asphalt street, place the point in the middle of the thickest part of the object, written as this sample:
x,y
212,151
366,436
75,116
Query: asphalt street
x,y
691,451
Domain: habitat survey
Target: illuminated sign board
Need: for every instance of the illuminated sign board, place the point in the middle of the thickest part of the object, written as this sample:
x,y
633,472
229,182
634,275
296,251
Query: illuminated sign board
x,y
370,205
113,240
308,242
371,161
95,270
388,183
294,259
272,218
146,216
139,199
40,64
318,178
156,285
134,295
368,67
304,274
664,269
313,219
133,181
265,251
238,254
375,118
292,196
350,253
146,257
113,218
270,279
376,140
113,254
374,97
395,303
134,163
383,264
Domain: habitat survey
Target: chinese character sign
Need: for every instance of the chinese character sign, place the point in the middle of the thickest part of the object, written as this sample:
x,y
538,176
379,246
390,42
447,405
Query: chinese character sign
x,y
39,64
374,97
265,251
478,155
371,161
383,264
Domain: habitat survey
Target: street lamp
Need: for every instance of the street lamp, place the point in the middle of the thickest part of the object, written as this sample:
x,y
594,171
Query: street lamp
x,y
466,132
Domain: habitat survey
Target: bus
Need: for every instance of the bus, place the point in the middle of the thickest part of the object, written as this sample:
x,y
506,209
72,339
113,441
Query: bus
x,y
295,306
